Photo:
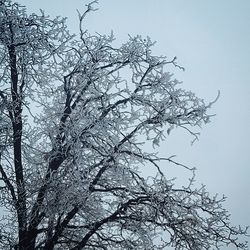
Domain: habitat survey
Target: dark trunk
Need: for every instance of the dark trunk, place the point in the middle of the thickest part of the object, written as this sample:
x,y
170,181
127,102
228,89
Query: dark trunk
x,y
16,119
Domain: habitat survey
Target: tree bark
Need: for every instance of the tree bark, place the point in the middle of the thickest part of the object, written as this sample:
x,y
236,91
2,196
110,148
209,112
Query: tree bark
x,y
17,126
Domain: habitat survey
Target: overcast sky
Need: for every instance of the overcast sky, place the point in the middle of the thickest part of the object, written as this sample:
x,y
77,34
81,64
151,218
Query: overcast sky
x,y
212,41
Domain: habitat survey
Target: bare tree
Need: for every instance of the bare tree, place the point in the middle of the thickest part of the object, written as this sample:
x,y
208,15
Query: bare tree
x,y
75,114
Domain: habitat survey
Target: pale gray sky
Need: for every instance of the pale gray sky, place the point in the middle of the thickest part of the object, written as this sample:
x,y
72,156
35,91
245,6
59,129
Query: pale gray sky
x,y
212,41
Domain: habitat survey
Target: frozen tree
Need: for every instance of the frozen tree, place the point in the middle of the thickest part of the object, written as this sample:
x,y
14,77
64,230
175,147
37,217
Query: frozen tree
x,y
75,115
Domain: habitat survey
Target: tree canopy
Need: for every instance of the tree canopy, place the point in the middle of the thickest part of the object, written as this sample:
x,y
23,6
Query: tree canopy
x,y
75,114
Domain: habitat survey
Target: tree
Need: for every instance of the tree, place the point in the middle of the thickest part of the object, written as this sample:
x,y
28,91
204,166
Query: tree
x,y
75,114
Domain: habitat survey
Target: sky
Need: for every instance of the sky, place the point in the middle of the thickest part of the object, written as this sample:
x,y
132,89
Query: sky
x,y
211,40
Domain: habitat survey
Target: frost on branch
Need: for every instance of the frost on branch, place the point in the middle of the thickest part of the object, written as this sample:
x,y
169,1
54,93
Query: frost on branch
x,y
75,114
